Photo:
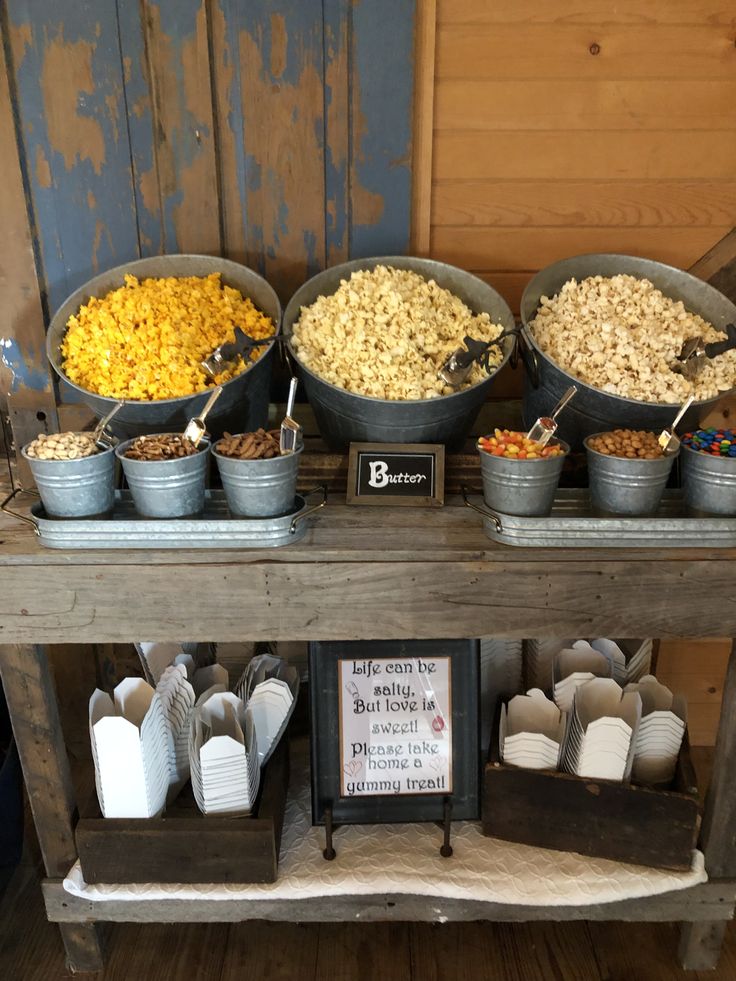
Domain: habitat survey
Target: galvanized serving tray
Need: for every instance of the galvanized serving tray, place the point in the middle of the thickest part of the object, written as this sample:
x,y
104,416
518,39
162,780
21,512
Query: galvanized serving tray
x,y
572,524
214,528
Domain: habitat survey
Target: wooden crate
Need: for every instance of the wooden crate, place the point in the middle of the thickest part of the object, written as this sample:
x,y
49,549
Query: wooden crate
x,y
601,818
184,845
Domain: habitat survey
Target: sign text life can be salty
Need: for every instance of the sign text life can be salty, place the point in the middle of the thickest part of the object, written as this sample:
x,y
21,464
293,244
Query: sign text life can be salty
x,y
395,726
410,474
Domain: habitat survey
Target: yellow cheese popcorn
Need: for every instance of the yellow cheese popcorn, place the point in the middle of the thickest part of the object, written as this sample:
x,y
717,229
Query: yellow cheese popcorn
x,y
146,339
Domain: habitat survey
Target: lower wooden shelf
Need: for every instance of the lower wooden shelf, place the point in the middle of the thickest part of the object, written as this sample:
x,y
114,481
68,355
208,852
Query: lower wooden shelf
x,y
708,901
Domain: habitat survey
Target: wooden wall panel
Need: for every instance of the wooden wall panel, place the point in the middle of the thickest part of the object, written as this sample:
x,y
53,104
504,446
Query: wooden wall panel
x,y
586,12
599,155
592,51
276,133
71,105
26,391
567,128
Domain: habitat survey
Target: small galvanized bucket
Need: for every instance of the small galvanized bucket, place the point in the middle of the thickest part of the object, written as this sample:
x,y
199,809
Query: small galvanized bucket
x,y
259,488
521,487
708,482
625,485
167,488
81,488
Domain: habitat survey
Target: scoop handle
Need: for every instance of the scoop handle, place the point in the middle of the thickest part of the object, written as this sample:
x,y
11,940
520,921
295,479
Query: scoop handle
x,y
720,347
292,395
216,393
683,409
563,401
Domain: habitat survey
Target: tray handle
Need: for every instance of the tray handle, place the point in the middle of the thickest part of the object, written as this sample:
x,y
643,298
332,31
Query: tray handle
x,y
315,507
485,511
14,514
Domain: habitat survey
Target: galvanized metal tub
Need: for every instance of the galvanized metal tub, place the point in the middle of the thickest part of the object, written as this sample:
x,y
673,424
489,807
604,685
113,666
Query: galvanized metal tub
x,y
521,487
708,482
259,488
592,410
82,488
167,488
621,485
243,405
345,417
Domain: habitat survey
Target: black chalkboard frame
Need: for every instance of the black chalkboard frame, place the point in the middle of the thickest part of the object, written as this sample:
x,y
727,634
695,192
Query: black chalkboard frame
x,y
434,450
325,734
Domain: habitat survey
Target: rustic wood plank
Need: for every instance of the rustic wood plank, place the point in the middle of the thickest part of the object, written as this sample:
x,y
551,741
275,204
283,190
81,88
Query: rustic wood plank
x,y
700,948
381,81
655,154
700,945
178,71
71,105
281,75
563,50
618,203
523,952
278,952
616,821
718,834
589,12
564,104
424,79
709,901
224,26
533,248
26,391
373,950
721,254
132,36
337,40
388,598
31,699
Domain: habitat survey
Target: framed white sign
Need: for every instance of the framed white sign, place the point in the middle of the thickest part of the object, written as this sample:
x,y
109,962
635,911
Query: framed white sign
x,y
394,730
395,726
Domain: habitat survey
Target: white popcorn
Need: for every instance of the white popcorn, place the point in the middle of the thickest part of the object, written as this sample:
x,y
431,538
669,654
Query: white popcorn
x,y
387,332
622,335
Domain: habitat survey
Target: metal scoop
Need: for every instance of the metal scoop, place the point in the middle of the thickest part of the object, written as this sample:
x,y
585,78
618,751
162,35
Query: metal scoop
x,y
545,427
98,434
667,438
195,427
458,366
290,428
695,353
227,354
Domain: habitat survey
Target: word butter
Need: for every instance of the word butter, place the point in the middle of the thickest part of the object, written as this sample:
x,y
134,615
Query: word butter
x,y
396,473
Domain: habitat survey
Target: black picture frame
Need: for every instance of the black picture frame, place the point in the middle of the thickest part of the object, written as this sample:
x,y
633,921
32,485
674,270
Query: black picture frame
x,y
325,734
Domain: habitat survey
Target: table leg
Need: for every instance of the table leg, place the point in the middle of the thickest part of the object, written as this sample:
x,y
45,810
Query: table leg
x,y
700,943
34,712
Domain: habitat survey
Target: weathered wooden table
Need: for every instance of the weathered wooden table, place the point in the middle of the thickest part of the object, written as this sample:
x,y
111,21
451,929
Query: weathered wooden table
x,y
371,574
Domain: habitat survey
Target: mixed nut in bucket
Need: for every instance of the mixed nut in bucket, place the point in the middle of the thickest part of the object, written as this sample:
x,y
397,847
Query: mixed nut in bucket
x,y
708,468
520,476
74,474
166,474
258,481
627,471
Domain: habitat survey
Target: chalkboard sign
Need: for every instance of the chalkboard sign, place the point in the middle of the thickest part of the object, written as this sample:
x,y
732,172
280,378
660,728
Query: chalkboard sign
x,y
394,730
410,474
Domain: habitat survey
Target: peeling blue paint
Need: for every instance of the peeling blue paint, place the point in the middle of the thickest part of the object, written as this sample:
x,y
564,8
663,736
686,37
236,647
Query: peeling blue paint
x,y
71,246
25,374
337,211
383,65
252,173
140,128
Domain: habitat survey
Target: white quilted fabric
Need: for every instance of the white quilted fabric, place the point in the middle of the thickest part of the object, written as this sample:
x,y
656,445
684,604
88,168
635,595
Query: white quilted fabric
x,y
404,858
